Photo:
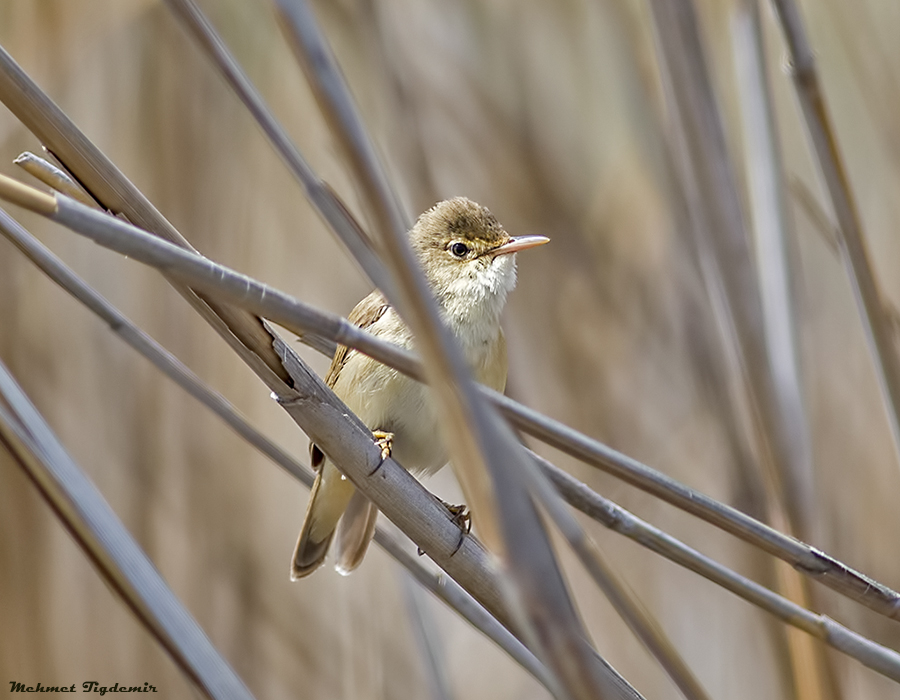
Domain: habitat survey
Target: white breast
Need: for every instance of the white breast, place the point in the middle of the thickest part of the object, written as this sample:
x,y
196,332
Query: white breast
x,y
387,400
473,303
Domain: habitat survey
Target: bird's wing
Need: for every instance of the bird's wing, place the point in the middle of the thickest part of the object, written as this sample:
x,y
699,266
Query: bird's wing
x,y
364,314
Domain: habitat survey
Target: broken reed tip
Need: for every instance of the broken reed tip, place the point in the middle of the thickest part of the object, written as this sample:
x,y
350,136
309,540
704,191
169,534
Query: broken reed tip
x,y
27,197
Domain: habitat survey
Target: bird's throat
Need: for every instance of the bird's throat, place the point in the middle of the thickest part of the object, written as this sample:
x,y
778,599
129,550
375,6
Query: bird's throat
x,y
472,304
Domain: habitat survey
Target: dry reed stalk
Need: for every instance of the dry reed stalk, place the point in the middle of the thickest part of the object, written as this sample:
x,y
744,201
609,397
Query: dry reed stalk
x,y
854,252
453,596
289,312
873,655
112,550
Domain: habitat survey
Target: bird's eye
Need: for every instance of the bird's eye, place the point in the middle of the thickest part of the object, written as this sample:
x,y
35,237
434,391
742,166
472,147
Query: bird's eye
x,y
459,249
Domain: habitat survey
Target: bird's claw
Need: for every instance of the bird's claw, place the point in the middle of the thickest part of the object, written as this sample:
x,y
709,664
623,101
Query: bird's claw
x,y
386,442
461,516
462,519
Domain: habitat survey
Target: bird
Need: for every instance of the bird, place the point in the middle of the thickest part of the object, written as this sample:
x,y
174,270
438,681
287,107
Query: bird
x,y
468,260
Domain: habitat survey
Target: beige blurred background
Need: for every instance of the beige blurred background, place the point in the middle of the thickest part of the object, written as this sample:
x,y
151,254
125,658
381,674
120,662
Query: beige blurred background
x,y
549,113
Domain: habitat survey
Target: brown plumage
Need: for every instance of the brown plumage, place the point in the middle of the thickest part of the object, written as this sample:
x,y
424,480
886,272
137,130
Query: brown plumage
x,y
467,259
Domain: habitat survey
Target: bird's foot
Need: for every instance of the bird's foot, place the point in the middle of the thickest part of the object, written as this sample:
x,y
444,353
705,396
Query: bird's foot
x,y
462,518
386,442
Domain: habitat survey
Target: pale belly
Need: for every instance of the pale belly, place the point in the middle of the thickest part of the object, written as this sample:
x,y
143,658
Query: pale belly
x,y
384,399
389,401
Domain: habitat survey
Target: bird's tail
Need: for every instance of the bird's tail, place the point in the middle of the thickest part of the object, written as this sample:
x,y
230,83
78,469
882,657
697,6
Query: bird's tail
x,y
328,499
354,533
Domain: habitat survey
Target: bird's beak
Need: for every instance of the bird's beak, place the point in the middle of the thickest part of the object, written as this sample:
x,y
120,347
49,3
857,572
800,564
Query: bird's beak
x,y
513,245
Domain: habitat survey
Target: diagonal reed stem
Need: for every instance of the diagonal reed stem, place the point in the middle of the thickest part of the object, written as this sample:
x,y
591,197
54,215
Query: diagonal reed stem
x,y
108,544
453,596
485,454
287,311
852,243
614,517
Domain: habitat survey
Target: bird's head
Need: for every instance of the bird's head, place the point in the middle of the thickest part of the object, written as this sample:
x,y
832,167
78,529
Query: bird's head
x,y
468,257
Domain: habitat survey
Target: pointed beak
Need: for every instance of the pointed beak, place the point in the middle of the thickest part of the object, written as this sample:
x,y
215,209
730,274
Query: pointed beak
x,y
514,245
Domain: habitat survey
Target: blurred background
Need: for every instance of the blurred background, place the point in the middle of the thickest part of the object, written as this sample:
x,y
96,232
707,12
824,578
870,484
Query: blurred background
x,y
553,116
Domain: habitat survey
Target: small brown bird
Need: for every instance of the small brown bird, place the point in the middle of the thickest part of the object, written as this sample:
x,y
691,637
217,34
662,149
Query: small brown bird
x,y
469,262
